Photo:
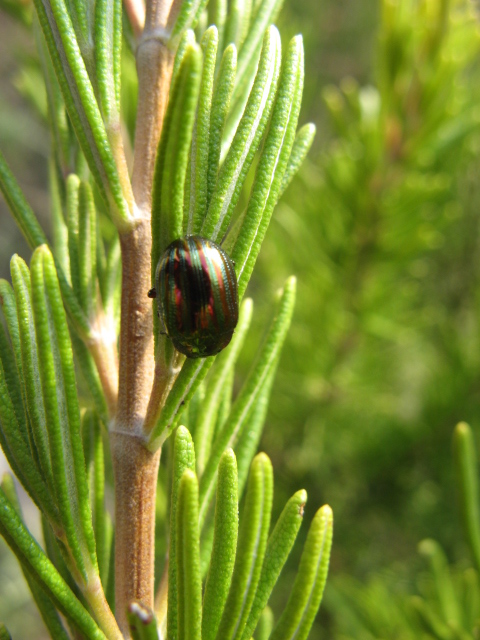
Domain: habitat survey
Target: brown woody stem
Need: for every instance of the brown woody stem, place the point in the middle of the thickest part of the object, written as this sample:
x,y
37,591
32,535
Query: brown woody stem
x,y
135,467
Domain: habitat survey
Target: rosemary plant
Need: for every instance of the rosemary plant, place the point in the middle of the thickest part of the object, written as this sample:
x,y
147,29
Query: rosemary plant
x,y
215,143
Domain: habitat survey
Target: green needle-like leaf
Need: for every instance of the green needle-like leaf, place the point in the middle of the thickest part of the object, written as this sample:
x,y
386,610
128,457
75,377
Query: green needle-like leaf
x,y
187,40
247,139
188,15
93,447
272,165
264,14
17,450
233,22
21,211
10,355
249,439
29,554
430,619
45,606
189,577
467,474
217,14
183,459
442,580
35,237
252,542
307,591
224,546
82,106
61,410
184,387
225,363
87,250
265,625
248,396
72,198
279,546
300,148
218,115
108,34
199,161
31,366
172,156
62,138
142,622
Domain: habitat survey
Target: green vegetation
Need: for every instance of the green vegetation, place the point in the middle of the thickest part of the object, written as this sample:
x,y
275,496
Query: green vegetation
x,y
381,360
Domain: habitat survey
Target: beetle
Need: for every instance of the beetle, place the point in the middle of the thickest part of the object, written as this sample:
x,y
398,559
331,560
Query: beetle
x,y
197,296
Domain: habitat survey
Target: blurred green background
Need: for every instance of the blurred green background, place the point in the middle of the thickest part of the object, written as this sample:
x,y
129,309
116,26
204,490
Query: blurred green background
x,y
381,229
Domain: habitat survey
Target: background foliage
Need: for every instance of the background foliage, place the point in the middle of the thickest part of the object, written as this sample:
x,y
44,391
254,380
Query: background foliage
x,y
381,229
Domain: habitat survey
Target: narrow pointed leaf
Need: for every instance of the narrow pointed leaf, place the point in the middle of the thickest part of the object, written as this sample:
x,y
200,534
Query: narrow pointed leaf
x,y
20,210
430,620
199,160
183,459
18,453
265,625
61,409
442,580
8,310
264,15
189,578
233,23
81,105
186,41
59,226
299,151
220,106
62,138
209,409
87,250
188,15
251,390
30,367
29,554
10,355
93,447
248,441
279,546
108,33
224,546
142,622
72,204
217,14
247,139
172,156
44,604
467,474
272,165
306,596
252,542
185,385
35,237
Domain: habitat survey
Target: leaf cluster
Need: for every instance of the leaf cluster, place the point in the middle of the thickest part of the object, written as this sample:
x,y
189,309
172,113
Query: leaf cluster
x,y
228,150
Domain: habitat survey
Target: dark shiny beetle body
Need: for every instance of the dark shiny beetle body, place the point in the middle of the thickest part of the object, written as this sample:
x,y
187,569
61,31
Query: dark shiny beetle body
x,y
197,295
